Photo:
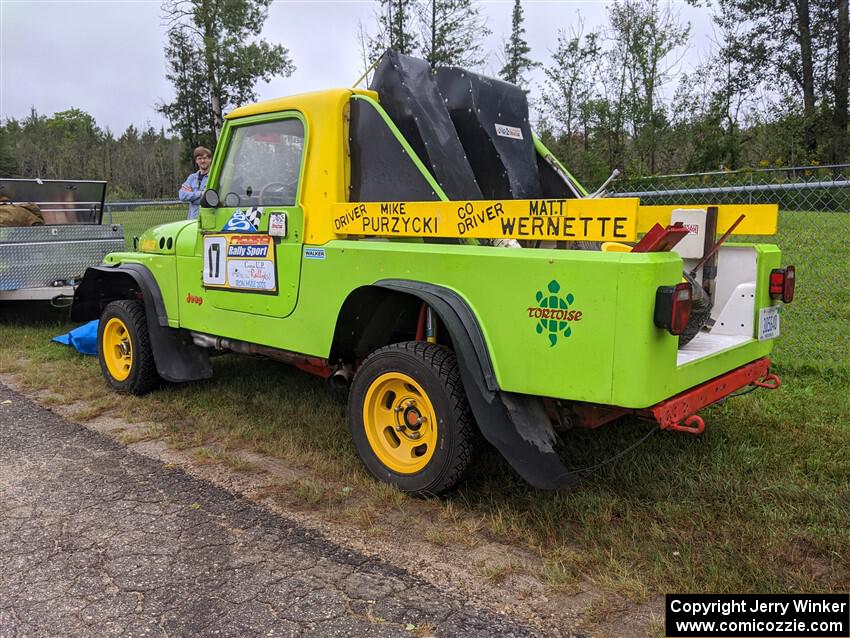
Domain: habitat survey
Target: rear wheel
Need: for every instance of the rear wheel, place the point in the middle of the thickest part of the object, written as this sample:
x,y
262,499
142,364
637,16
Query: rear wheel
x,y
124,348
410,419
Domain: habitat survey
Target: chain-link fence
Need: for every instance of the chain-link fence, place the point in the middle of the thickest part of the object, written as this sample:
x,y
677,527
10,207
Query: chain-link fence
x,y
814,235
138,216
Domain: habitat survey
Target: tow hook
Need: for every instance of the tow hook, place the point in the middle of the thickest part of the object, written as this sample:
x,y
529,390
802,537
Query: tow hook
x,y
692,425
771,382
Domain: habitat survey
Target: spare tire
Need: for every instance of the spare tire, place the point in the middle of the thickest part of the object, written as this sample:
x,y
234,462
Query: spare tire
x,y
700,310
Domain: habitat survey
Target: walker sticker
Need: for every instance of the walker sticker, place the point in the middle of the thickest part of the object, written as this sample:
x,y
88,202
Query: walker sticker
x,y
244,221
559,219
502,130
554,313
314,253
240,262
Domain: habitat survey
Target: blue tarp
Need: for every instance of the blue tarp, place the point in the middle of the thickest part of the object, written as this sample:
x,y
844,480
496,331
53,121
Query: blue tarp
x,y
83,338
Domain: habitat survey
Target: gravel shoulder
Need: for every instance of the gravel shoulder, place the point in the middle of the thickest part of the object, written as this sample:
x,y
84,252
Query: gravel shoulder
x,y
98,540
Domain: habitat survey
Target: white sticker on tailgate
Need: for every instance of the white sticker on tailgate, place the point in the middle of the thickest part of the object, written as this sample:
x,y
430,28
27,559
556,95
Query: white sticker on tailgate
x,y
769,323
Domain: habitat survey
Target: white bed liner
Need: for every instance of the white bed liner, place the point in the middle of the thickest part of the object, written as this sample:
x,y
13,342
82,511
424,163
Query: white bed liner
x,y
705,344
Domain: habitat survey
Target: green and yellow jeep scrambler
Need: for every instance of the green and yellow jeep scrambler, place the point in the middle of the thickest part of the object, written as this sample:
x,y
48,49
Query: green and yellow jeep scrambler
x,y
418,243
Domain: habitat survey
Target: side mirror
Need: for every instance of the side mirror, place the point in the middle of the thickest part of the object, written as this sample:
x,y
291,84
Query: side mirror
x,y
210,199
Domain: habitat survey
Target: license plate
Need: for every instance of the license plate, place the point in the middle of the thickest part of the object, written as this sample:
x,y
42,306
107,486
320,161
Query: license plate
x,y
768,323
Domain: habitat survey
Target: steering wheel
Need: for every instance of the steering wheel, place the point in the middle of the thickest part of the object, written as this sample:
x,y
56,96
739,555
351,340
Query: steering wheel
x,y
276,188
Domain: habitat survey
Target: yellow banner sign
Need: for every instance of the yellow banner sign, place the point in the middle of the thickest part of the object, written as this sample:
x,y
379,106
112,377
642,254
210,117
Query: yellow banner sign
x,y
759,219
558,219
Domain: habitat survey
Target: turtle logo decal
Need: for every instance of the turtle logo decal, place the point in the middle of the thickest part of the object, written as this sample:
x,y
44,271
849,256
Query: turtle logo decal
x,y
554,312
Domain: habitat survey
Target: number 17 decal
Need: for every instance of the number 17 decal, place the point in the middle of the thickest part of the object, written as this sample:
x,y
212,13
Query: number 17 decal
x,y
215,249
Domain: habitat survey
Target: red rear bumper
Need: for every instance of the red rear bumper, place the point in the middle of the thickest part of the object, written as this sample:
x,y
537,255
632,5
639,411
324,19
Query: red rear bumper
x,y
679,412
683,407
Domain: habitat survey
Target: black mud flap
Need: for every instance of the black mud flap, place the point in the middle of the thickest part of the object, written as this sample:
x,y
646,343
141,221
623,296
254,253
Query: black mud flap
x,y
515,424
177,358
531,443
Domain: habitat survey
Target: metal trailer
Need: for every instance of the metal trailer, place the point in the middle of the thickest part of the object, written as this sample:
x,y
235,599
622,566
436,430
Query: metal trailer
x,y
46,262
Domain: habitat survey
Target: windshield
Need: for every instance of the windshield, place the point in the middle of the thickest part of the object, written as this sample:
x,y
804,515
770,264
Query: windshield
x,y
262,164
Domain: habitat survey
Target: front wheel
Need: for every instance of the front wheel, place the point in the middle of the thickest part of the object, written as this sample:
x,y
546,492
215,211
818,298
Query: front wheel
x,y
124,348
409,417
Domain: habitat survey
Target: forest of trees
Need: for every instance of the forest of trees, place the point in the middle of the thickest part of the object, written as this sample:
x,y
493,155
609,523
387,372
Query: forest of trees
x,y
69,145
772,92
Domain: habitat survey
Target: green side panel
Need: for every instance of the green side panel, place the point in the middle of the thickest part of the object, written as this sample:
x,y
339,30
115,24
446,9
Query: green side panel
x,y
527,303
509,290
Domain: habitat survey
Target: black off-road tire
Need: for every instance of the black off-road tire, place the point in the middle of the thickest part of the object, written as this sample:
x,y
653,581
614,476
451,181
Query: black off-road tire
x,y
142,377
700,311
435,369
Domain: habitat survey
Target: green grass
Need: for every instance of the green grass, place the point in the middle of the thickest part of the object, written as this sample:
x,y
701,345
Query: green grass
x,y
816,325
759,503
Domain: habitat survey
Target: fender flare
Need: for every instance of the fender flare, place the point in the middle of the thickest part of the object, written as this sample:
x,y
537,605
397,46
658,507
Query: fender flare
x,y
516,424
177,358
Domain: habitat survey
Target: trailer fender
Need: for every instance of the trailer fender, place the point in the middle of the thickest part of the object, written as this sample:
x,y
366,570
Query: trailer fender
x,y
517,425
177,358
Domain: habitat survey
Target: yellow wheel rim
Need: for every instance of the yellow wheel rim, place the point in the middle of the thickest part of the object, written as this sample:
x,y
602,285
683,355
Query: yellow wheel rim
x,y
400,422
117,349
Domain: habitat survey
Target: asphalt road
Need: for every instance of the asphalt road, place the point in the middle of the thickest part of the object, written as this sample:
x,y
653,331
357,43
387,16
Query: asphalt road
x,y
96,540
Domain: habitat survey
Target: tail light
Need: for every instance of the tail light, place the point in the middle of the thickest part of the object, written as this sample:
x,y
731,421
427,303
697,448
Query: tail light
x,y
782,282
673,307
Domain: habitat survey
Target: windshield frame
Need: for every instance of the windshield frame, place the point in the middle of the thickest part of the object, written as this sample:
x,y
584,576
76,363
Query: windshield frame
x,y
224,160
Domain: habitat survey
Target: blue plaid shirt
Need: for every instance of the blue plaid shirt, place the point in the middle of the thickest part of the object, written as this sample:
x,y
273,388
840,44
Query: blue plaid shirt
x,y
192,190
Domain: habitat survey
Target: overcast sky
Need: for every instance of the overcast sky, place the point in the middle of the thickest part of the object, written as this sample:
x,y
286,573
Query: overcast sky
x,y
106,56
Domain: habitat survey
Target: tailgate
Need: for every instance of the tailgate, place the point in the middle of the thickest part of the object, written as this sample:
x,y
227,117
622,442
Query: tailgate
x,y
648,365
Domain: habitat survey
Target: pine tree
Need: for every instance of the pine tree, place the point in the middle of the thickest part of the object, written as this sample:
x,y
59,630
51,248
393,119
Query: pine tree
x,y
452,32
8,165
517,50
189,113
223,40
395,28
570,83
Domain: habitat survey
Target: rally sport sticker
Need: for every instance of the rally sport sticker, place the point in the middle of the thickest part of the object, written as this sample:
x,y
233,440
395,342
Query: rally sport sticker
x,y
240,262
